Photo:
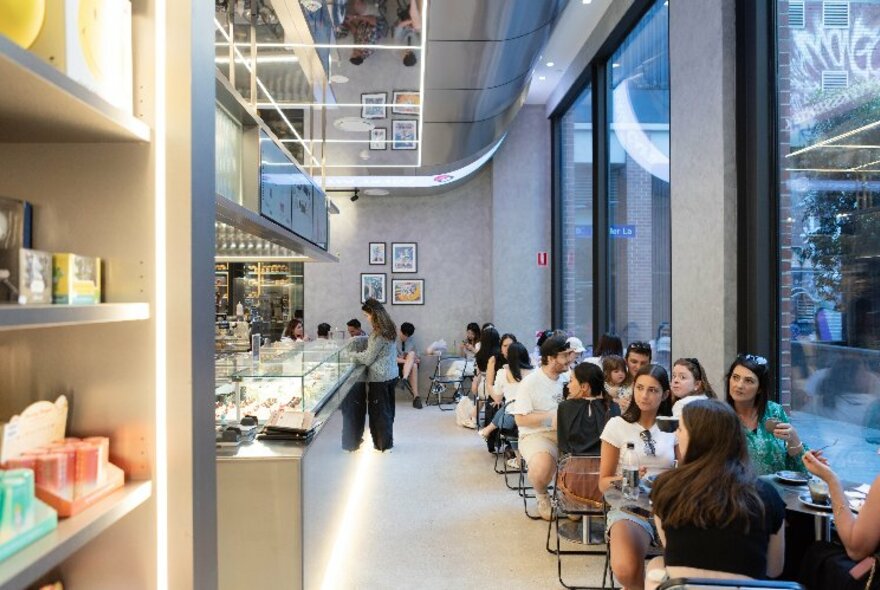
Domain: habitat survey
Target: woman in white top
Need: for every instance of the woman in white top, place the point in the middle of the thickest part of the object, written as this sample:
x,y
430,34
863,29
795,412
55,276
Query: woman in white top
x,y
689,383
506,384
629,535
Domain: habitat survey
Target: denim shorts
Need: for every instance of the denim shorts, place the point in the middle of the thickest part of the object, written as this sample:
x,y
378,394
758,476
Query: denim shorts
x,y
616,515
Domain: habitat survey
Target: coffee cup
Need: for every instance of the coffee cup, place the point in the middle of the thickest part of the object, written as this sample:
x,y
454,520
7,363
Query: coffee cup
x,y
818,491
667,423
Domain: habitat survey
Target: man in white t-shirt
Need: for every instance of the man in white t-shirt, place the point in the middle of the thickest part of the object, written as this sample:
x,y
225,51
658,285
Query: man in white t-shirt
x,y
534,410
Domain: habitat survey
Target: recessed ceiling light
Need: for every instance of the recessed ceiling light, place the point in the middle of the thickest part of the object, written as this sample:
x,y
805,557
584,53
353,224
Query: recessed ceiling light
x,y
365,154
587,1
353,124
615,65
338,79
376,192
542,77
550,64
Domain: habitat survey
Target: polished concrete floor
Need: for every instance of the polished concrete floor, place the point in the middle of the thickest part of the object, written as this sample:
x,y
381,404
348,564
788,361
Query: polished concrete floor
x,y
433,514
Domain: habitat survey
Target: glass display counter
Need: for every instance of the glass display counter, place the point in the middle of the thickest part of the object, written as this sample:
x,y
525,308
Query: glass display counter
x,y
300,375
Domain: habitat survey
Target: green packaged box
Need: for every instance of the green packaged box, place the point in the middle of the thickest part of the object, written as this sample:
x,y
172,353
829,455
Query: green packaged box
x,y
76,279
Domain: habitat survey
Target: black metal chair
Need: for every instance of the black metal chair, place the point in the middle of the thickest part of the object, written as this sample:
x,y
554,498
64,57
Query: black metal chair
x,y
451,373
576,477
709,583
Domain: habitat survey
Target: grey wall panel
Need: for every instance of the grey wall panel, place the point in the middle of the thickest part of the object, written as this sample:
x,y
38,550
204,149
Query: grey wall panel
x,y
703,183
458,105
521,226
454,234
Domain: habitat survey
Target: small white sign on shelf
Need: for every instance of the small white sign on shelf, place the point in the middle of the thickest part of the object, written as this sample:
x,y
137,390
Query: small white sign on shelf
x,y
40,424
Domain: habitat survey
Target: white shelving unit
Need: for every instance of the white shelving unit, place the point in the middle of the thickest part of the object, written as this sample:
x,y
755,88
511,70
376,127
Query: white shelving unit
x,y
26,566
137,190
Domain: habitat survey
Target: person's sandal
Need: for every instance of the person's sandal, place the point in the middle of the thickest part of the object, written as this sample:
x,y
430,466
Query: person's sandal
x,y
483,435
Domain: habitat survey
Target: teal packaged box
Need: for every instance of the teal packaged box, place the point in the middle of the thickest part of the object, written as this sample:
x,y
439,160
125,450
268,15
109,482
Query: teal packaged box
x,y
76,279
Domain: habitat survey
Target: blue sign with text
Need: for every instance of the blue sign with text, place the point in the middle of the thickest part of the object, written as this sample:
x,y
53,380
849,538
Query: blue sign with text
x,y
627,232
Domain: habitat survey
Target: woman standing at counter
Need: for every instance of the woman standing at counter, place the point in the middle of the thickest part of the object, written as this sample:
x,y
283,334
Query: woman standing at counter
x,y
380,359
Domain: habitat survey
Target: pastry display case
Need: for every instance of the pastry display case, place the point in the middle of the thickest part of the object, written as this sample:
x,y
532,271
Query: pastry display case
x,y
298,375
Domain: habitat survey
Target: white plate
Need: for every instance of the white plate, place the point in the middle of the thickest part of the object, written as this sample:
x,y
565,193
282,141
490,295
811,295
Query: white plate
x,y
808,501
792,477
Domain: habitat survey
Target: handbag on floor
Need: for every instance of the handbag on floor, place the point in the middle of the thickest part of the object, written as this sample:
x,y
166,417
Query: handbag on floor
x,y
826,565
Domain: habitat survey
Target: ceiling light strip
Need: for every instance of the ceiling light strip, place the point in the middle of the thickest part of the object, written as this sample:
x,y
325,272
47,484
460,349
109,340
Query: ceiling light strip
x,y
345,141
328,45
865,165
424,39
372,165
305,105
825,142
828,170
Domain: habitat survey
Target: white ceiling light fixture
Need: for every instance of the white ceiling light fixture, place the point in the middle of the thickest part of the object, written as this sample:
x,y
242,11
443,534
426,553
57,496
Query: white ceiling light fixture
x,y
542,78
353,124
550,64
588,1
376,192
338,79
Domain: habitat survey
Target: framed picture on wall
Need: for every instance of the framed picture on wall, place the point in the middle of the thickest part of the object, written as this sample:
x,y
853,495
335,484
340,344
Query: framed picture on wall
x,y
378,138
373,286
377,253
373,105
404,257
404,134
406,102
408,292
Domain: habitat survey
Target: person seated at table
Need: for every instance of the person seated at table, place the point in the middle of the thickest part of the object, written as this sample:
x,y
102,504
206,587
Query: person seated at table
x,y
582,416
748,393
506,385
714,502
689,383
629,536
408,361
324,331
827,565
471,343
534,410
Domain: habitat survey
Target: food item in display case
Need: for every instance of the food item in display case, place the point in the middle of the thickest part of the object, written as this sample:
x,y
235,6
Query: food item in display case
x,y
76,279
90,41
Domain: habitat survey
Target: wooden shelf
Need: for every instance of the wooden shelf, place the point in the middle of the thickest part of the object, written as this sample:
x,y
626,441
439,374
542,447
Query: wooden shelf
x,y
18,317
26,566
39,104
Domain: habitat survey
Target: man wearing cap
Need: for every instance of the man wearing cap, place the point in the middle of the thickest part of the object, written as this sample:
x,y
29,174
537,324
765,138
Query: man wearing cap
x,y
576,348
534,410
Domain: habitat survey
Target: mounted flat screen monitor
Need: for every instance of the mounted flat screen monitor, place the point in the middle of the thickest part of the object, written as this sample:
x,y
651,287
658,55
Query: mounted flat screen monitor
x,y
275,184
303,207
320,217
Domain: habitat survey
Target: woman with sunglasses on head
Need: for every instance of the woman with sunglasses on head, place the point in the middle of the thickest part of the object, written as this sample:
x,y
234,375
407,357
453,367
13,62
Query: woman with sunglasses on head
x,y
629,536
715,501
774,444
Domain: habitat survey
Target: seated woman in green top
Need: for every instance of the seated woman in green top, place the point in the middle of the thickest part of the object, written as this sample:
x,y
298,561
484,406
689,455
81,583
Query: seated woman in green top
x,y
774,444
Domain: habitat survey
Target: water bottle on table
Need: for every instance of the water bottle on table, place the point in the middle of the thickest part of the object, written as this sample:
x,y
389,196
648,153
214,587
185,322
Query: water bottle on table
x,y
629,468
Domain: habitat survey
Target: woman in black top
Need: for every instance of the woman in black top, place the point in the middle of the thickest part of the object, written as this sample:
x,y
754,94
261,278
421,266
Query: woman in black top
x,y
714,516
489,356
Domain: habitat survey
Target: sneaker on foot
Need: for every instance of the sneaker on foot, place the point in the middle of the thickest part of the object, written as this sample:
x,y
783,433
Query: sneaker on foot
x,y
545,510
513,463
417,402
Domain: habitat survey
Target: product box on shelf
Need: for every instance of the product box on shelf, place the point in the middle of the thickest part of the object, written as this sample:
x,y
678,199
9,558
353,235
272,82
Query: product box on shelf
x,y
15,224
70,474
23,518
90,41
76,279
29,276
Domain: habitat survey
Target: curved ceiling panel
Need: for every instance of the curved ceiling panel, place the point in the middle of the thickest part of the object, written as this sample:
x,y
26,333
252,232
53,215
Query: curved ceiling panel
x,y
457,105
482,64
488,20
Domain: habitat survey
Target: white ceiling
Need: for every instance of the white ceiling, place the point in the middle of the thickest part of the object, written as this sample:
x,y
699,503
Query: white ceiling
x,y
572,30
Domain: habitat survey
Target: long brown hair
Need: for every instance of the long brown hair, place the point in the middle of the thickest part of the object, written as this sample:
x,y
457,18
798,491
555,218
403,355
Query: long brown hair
x,y
291,328
696,369
382,323
715,485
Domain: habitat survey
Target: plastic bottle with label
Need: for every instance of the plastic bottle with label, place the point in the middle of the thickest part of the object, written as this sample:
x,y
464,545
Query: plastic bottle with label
x,y
629,468
239,311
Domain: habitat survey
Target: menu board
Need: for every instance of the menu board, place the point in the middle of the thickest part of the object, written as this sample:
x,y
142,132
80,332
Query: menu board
x,y
275,194
303,207
319,220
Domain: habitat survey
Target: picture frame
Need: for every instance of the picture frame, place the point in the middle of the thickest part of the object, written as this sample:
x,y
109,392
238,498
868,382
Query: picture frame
x,y
373,105
404,257
378,138
373,285
377,253
404,134
408,292
406,102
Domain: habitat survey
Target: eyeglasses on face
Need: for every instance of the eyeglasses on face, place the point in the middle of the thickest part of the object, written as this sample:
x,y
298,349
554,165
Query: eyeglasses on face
x,y
650,449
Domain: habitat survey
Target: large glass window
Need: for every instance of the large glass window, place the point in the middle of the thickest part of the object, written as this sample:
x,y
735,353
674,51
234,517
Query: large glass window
x,y
829,239
639,286
575,141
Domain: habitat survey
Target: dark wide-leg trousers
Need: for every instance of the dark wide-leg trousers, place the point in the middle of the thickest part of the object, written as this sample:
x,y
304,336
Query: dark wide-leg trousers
x,y
377,399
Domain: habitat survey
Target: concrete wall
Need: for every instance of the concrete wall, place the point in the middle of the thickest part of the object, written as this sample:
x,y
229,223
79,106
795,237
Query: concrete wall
x,y
521,221
703,179
454,235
